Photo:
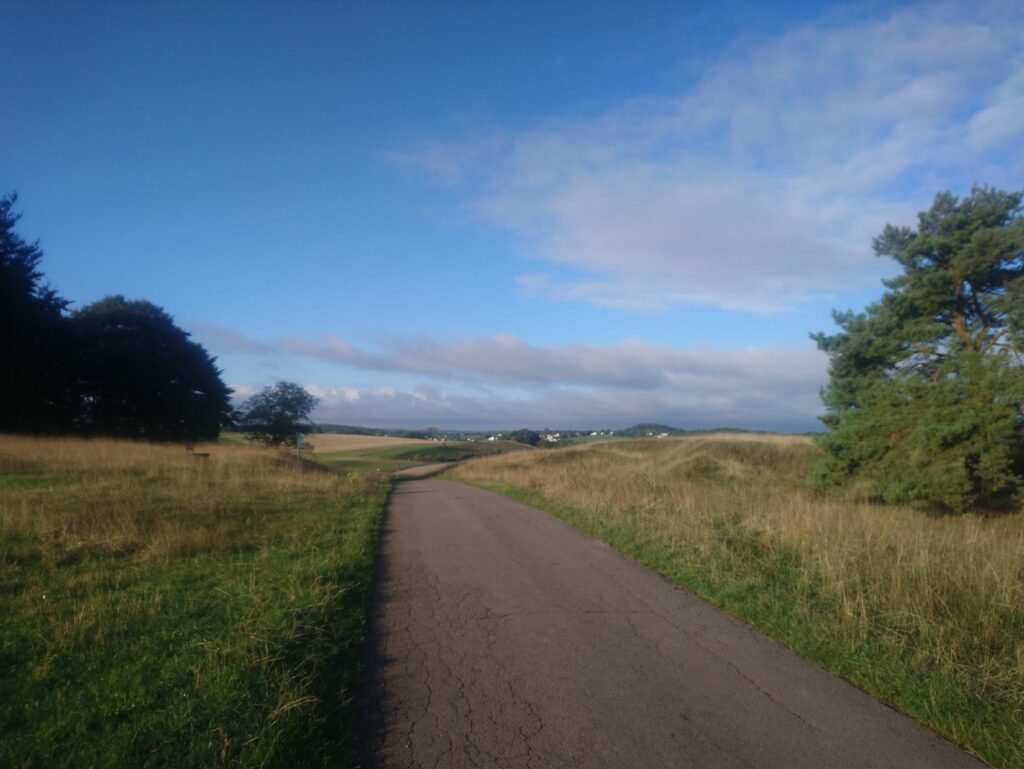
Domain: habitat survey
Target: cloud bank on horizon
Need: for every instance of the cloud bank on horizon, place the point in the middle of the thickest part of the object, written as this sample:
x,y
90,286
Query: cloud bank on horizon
x,y
755,191
502,381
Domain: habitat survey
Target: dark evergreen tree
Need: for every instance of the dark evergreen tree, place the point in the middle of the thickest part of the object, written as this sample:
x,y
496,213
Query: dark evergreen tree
x,y
926,386
36,382
141,376
275,414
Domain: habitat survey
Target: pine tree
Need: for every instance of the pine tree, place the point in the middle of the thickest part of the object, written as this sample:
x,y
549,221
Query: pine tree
x,y
926,387
36,377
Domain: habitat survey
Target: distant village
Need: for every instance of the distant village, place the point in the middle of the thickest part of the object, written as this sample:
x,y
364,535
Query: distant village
x,y
545,437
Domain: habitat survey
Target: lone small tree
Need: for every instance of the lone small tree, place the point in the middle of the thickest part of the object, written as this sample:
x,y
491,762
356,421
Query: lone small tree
x,y
275,414
926,386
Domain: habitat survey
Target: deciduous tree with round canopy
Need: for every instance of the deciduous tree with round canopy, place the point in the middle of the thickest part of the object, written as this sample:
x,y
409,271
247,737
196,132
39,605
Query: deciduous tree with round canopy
x,y
276,414
141,376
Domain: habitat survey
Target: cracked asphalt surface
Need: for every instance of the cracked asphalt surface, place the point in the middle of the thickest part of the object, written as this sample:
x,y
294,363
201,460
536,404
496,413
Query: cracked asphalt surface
x,y
502,637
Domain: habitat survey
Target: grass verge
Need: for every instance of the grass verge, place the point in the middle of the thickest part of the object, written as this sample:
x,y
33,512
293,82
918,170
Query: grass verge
x,y
162,610
924,612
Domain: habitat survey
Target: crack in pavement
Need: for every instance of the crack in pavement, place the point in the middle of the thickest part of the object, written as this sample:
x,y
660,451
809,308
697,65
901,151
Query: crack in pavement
x,y
502,637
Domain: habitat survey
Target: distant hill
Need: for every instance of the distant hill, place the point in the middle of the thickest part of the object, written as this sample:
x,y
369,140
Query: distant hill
x,y
347,429
646,429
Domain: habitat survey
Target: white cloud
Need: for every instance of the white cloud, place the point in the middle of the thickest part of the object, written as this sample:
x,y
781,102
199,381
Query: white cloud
x,y
763,185
999,123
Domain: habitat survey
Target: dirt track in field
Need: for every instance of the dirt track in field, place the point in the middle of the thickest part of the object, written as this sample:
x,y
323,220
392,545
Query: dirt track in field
x,y
502,637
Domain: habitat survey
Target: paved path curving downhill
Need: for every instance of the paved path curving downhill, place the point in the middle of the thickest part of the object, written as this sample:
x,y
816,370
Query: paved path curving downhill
x,y
502,637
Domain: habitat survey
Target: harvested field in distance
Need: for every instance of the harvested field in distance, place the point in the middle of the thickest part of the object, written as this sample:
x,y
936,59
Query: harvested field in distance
x,y
925,611
326,443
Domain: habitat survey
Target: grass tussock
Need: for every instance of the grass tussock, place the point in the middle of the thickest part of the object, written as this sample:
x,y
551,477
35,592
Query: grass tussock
x,y
159,609
924,611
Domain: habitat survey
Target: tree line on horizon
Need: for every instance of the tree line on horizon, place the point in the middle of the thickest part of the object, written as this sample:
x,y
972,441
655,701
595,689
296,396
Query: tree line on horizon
x,y
115,367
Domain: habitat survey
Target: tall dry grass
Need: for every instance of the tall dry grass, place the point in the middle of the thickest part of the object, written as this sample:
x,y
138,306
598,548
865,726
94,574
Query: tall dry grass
x,y
927,611
152,500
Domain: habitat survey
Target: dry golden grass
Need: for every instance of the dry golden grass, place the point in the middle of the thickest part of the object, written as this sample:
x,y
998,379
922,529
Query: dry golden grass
x,y
326,443
85,498
775,439
945,592
680,487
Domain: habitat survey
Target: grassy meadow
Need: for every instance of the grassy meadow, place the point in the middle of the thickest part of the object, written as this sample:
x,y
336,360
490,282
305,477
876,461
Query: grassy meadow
x,y
385,453
924,611
160,609
393,455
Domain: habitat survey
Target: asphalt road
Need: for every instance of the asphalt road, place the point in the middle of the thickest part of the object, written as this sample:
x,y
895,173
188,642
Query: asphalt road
x,y
502,637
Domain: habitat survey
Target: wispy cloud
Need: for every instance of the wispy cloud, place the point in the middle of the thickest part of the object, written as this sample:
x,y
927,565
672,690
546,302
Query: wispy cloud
x,y
335,349
229,340
762,186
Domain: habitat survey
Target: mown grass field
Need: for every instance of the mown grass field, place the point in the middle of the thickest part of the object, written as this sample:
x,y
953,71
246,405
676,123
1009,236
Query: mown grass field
x,y
924,611
162,610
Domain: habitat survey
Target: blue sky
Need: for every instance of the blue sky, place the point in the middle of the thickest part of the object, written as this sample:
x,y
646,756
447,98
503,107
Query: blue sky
x,y
485,215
